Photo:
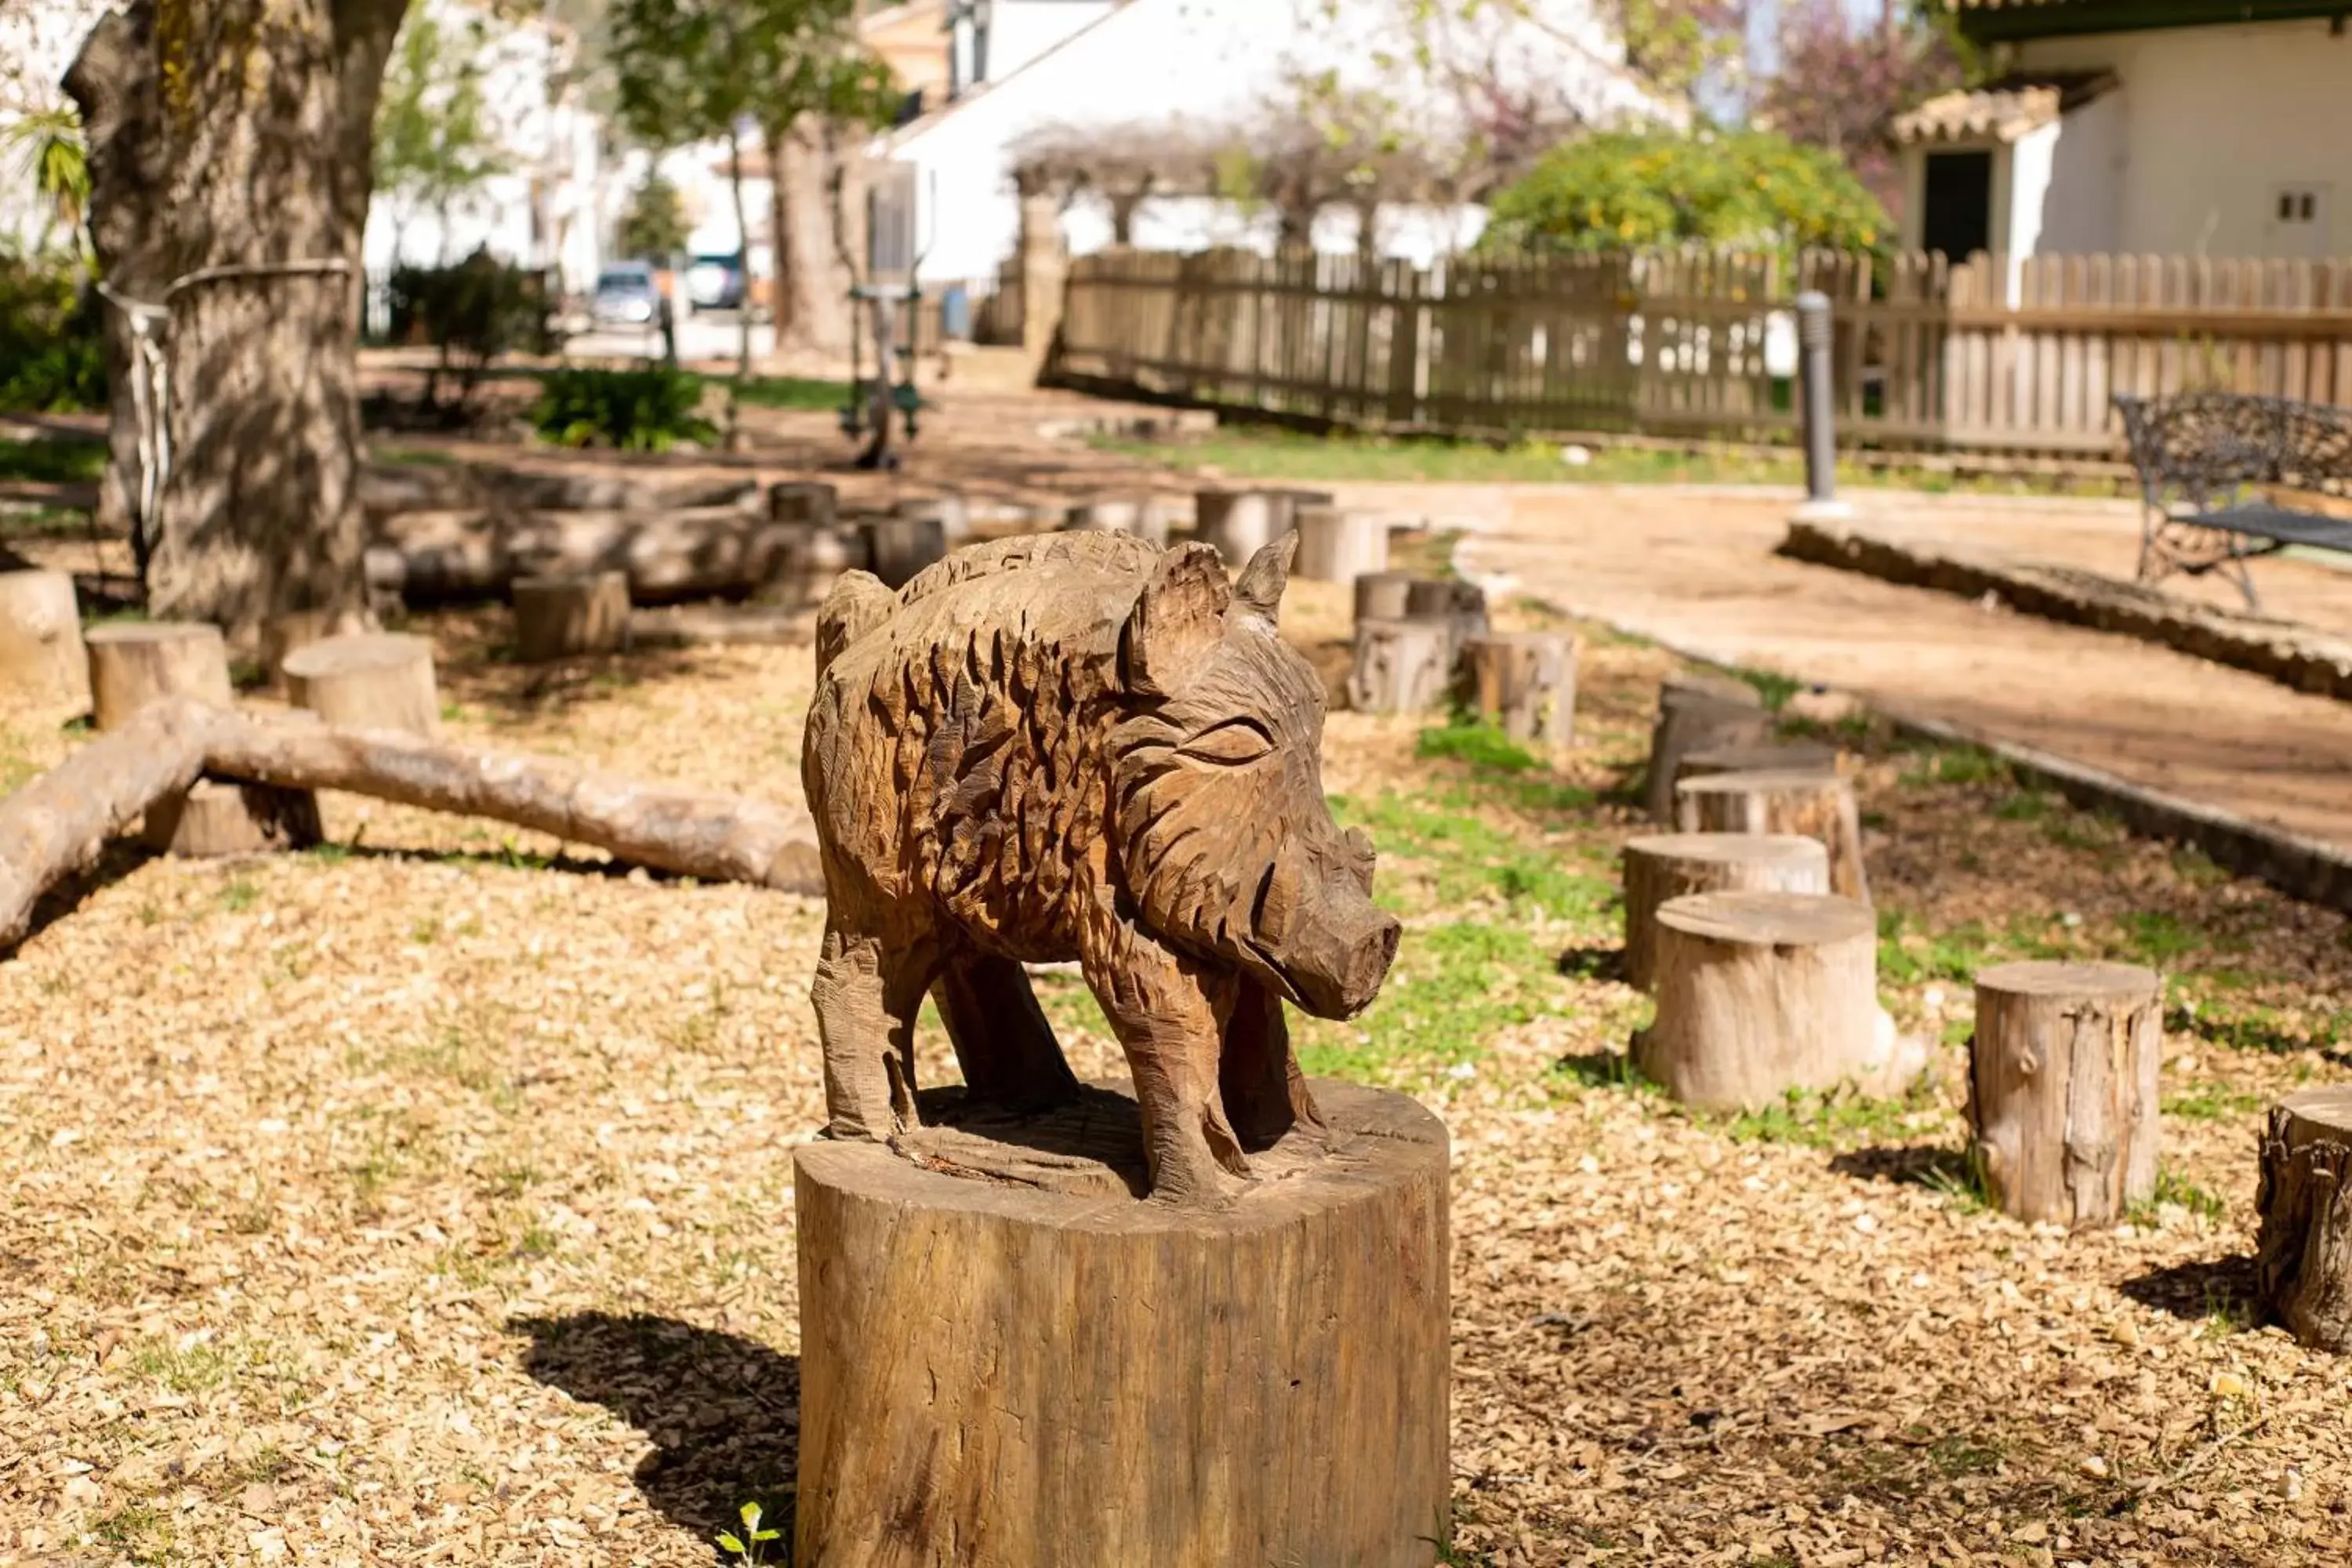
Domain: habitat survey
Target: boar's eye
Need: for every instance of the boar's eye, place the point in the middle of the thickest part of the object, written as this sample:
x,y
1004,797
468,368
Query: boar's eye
x,y
1231,744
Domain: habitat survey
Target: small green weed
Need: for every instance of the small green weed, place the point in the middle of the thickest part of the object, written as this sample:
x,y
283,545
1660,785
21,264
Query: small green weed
x,y
2212,1103
2155,938
1961,765
2025,806
1827,1121
2173,1188
1476,742
239,895
140,1530
1775,689
749,1549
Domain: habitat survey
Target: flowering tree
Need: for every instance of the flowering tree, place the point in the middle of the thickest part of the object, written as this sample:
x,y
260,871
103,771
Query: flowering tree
x,y
1838,87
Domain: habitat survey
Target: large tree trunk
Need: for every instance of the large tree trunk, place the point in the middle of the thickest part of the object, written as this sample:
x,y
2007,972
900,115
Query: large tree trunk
x,y
264,115
811,291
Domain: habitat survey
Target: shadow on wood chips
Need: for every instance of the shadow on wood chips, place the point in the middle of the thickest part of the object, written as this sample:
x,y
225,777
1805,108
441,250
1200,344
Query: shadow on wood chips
x,y
2219,1291
723,1411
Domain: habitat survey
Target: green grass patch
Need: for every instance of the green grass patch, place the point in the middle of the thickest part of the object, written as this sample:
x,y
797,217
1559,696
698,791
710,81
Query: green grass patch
x,y
43,522
2253,1026
1774,689
2171,1187
52,462
2211,1103
1908,959
788,391
1959,766
1832,1121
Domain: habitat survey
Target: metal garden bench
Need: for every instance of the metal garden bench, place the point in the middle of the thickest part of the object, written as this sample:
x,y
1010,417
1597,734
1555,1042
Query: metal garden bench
x,y
2199,456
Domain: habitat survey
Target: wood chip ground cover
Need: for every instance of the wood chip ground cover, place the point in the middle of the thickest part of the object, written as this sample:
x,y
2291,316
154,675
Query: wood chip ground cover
x,y
427,1198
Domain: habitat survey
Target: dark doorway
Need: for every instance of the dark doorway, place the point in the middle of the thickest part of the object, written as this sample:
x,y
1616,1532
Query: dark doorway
x,y
1955,215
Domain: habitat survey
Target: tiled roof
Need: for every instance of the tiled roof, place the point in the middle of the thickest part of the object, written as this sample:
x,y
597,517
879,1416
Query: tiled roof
x,y
2002,111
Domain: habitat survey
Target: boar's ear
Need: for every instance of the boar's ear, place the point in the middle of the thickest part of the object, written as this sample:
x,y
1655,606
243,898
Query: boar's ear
x,y
1263,580
1177,619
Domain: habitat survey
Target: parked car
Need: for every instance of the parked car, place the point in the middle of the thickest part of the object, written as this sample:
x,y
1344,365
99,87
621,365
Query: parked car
x,y
626,296
715,283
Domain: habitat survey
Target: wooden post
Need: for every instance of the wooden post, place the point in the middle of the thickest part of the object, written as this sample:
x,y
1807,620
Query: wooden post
x,y
134,664
2062,1081
2302,1252
1383,596
1662,867
1337,546
368,680
1008,1375
802,501
1400,667
1043,272
1773,757
1760,993
1696,712
568,617
1526,681
42,662
1817,805
898,547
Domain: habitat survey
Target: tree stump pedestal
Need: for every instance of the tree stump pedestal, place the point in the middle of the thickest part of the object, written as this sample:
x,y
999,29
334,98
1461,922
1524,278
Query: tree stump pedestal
x,y
133,664
2303,1253
42,663
1814,801
367,681
898,547
1337,546
1043,1370
1662,867
1524,681
1696,712
1782,757
571,616
1760,993
2062,1088
1400,667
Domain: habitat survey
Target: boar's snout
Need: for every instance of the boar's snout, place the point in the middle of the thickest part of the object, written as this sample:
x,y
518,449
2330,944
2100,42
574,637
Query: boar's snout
x,y
1340,960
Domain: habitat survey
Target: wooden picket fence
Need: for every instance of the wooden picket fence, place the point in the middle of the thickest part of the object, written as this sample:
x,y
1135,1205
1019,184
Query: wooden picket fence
x,y
1981,356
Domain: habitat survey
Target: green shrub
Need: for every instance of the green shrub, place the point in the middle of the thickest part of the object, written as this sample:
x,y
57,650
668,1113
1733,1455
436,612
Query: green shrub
x,y
472,312
52,335
635,410
1634,190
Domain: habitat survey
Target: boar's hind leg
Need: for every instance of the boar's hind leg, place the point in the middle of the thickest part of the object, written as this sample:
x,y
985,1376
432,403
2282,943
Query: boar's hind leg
x,y
1265,1094
1158,1004
1001,1040
867,993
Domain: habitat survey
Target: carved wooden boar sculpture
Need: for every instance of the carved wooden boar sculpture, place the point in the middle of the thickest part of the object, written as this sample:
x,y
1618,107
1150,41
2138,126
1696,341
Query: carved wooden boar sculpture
x,y
1082,746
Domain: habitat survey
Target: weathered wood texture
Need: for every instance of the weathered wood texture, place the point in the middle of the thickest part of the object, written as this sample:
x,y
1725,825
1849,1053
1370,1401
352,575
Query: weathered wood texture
x,y
57,825
133,663
1698,712
897,548
136,664
720,838
1524,681
1239,523
1040,680
1336,546
1383,596
1460,606
2062,1088
803,500
1760,993
567,617
368,680
282,633
432,557
619,490
1136,515
1789,756
1662,867
42,662
997,1376
1400,667
1817,805
2303,1253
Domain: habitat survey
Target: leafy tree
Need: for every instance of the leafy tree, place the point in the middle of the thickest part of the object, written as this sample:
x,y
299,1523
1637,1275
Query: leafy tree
x,y
1838,87
655,226
1630,190
434,138
47,147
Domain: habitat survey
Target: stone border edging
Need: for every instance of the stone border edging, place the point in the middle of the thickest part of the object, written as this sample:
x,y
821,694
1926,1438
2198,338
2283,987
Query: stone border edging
x,y
2295,656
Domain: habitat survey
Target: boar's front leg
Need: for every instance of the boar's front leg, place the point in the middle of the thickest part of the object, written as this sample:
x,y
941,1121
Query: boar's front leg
x,y
867,993
1264,1093
1164,1007
1001,1039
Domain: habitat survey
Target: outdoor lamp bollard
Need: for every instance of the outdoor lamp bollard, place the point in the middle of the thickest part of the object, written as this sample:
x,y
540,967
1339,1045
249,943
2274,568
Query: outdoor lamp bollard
x,y
1813,341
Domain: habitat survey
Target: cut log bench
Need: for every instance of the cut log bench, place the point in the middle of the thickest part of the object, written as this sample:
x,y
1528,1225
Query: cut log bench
x,y
1523,682
368,680
1762,993
571,617
2062,1090
134,664
1014,1367
1400,667
1662,867
1816,804
42,662
2302,1252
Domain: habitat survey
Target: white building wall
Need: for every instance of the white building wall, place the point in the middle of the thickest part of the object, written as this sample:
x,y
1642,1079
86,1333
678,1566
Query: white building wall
x,y
2213,121
2075,197
1195,64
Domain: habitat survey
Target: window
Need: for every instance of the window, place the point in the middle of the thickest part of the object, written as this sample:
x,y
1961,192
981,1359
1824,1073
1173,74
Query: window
x,y
2298,221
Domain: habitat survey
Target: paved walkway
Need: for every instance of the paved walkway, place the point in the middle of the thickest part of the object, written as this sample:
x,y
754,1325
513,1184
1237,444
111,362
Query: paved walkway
x,y
1698,572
